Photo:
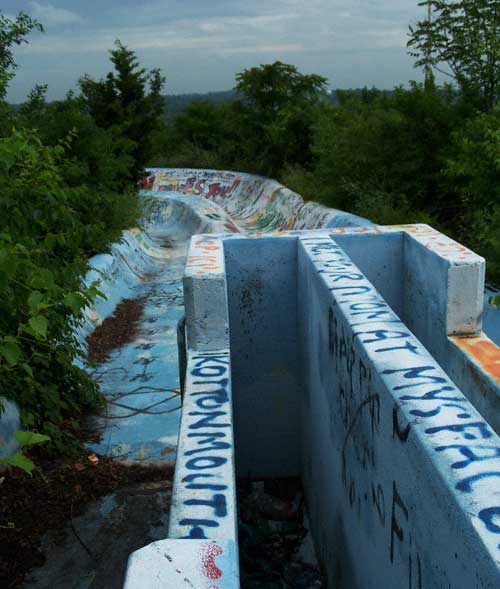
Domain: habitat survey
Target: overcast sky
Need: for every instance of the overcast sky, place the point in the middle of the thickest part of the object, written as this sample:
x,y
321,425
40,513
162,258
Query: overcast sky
x,y
201,44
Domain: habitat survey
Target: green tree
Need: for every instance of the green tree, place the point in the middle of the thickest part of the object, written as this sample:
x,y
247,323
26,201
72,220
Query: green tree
x,y
472,177
464,35
59,204
94,156
276,109
12,32
129,99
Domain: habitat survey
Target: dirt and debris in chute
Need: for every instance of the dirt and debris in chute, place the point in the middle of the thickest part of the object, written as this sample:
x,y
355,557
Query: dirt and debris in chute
x,y
275,546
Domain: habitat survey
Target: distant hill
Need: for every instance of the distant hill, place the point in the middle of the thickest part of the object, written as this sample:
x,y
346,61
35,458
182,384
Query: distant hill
x,y
175,103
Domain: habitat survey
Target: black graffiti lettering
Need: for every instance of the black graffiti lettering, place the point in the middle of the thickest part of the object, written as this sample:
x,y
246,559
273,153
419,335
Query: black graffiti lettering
x,y
372,314
337,265
372,322
206,486
209,371
488,515
367,306
338,277
433,395
401,434
332,330
202,360
379,335
396,529
223,382
466,484
209,436
212,401
212,446
407,346
378,501
364,373
353,290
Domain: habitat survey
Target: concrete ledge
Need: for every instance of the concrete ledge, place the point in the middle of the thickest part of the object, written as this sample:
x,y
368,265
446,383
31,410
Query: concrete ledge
x,y
204,493
205,295
184,564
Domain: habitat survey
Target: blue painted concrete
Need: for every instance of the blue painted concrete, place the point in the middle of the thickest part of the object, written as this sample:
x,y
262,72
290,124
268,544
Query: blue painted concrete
x,y
399,468
140,380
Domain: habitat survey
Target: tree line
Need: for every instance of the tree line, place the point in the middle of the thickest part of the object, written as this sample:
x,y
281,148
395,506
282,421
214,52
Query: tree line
x,y
427,152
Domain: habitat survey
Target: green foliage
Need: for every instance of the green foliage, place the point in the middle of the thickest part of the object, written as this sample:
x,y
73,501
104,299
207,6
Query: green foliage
x,y
48,231
43,253
472,175
25,439
464,35
275,111
64,196
94,156
383,144
121,102
12,32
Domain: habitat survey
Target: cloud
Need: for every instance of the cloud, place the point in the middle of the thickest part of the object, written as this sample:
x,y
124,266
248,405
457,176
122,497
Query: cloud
x,y
50,15
252,34
276,48
200,45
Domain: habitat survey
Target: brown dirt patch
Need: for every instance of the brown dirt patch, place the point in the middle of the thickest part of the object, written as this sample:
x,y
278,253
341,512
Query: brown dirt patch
x,y
116,330
58,491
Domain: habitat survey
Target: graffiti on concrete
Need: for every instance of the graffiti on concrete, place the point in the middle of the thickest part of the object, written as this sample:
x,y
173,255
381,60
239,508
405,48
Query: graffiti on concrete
x,y
205,495
425,399
205,256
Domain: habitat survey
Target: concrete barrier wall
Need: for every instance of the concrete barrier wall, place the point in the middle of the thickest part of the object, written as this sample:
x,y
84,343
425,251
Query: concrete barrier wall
x,y
440,298
261,283
400,470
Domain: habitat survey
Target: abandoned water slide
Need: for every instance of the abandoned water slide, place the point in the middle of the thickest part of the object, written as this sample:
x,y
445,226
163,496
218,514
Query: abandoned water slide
x,y
320,347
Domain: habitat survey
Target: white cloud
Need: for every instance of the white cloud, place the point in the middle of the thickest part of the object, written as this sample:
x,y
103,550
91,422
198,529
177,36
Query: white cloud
x,y
50,15
276,48
200,45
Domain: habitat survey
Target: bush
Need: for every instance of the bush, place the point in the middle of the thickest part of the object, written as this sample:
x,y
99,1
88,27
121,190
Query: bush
x,y
47,232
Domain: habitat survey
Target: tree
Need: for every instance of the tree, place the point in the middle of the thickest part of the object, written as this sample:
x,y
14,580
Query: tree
x,y
12,32
95,156
269,88
276,107
464,35
122,100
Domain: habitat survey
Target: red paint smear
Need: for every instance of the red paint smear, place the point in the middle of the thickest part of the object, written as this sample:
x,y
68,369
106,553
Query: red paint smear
x,y
210,569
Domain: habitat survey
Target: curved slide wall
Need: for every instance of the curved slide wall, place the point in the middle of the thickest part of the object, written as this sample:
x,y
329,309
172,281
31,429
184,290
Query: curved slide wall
x,y
254,203
140,379
149,263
